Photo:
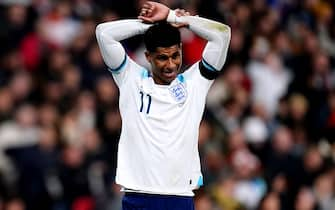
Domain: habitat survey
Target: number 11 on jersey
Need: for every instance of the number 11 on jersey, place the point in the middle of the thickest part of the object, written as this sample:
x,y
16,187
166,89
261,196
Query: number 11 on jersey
x,y
142,102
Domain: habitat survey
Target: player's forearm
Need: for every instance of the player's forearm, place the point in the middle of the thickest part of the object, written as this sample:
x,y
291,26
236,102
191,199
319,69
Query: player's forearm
x,y
217,34
110,33
121,29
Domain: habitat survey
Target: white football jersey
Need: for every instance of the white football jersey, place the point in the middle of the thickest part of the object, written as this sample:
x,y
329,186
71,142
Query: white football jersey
x,y
158,148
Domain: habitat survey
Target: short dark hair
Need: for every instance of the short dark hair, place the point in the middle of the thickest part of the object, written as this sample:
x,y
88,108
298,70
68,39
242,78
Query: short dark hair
x,y
161,34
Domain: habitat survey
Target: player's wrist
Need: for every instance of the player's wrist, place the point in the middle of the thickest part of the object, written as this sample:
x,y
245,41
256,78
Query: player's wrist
x,y
172,17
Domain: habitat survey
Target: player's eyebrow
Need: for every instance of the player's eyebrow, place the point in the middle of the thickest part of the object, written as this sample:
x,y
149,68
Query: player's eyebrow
x,y
162,56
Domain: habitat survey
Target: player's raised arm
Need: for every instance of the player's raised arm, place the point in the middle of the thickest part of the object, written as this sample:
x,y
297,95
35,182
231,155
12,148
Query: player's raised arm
x,y
217,34
108,36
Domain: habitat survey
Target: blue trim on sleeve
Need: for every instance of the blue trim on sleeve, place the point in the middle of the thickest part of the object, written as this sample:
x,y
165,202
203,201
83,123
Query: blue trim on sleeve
x,y
208,66
200,181
118,69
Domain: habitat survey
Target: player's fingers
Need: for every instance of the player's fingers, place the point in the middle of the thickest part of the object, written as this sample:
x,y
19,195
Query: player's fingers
x,y
149,11
146,12
149,2
179,25
147,5
143,12
181,12
145,19
177,11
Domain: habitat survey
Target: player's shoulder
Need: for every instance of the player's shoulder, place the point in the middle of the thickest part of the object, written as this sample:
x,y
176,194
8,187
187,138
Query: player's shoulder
x,y
130,72
194,75
202,69
195,72
129,65
190,70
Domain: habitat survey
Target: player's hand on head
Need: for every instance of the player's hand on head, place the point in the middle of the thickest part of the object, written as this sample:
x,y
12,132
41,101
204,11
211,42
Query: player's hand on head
x,y
153,11
179,13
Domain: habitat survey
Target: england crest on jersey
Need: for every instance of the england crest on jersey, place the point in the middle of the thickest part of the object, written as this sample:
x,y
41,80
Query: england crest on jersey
x,y
178,92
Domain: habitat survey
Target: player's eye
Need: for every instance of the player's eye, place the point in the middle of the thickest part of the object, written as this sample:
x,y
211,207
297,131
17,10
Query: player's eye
x,y
175,55
162,57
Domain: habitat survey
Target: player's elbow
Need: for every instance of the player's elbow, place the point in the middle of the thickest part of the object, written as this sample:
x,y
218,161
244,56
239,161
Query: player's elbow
x,y
225,35
222,46
224,39
103,28
103,33
228,34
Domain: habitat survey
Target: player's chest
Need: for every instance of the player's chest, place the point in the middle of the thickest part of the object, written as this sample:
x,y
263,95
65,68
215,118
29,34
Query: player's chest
x,y
160,101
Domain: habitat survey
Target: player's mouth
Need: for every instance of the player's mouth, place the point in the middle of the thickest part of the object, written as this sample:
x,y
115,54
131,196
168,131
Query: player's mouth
x,y
169,74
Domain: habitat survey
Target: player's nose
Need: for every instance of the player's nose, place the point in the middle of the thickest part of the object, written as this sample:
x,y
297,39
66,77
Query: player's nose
x,y
171,64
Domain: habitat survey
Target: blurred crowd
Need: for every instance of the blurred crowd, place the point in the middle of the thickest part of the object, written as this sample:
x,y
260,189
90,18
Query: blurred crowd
x,y
267,140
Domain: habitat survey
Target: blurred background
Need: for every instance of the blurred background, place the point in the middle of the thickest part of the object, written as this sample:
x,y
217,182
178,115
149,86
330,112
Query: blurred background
x,y
267,139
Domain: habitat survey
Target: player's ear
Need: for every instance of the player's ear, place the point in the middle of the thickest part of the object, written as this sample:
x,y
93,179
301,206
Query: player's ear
x,y
148,56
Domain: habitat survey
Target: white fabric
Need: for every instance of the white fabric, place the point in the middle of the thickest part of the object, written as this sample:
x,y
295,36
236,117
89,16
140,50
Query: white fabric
x,y
109,34
60,32
255,129
158,148
217,34
268,85
13,135
249,192
215,52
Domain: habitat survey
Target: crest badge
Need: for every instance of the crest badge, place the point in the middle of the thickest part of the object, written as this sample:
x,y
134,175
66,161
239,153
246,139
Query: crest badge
x,y
178,92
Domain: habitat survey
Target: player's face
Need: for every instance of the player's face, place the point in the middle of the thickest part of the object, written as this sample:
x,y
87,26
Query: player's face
x,y
165,63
